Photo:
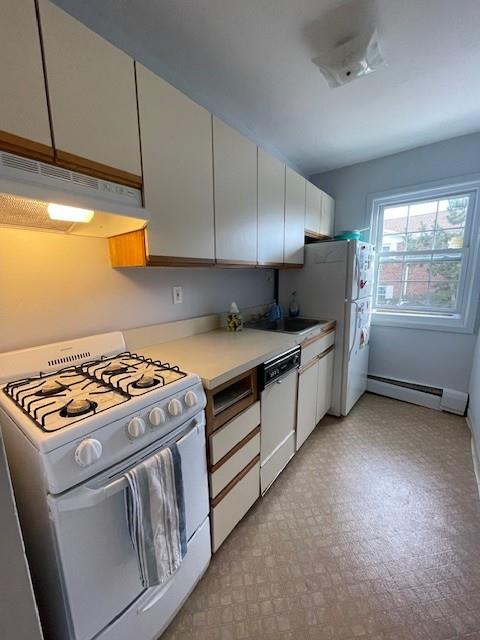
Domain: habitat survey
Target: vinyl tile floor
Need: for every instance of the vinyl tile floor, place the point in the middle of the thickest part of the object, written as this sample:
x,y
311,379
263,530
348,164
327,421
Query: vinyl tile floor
x,y
372,531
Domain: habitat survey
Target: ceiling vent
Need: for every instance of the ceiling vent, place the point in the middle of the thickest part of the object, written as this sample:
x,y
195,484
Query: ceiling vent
x,y
355,58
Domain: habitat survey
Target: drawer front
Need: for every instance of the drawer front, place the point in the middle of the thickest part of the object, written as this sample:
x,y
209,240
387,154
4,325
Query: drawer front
x,y
316,346
232,467
229,511
233,432
277,462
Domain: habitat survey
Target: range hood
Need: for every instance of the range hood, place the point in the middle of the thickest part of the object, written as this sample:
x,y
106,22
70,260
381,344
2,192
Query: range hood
x,y
28,187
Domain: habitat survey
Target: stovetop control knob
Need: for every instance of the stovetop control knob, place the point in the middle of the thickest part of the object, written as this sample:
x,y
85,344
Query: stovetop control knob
x,y
191,399
175,407
88,452
157,416
136,427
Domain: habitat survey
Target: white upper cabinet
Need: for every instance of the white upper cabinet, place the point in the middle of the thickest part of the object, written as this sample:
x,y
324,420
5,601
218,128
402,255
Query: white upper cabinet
x,y
235,171
312,210
23,107
93,102
327,215
271,208
294,217
176,139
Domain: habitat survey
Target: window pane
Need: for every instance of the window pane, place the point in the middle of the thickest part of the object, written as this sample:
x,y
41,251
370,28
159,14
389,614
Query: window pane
x,y
446,267
420,241
449,239
388,294
395,242
422,216
395,219
452,212
390,269
415,294
444,295
417,269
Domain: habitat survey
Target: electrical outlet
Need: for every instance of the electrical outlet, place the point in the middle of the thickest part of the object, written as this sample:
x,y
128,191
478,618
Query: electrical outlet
x,y
177,295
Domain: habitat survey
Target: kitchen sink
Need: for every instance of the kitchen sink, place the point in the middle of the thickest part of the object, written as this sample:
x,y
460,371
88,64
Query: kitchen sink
x,y
285,325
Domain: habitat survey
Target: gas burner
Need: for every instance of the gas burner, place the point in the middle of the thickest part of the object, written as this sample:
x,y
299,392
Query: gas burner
x,y
115,368
78,407
146,381
50,388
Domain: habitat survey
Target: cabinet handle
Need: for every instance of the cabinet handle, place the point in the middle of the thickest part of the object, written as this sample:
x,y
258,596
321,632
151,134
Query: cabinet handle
x,y
326,352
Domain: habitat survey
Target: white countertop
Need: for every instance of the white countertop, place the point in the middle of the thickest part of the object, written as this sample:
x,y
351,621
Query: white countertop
x,y
218,356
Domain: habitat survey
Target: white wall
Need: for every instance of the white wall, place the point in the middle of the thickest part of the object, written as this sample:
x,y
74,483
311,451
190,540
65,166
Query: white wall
x,y
428,357
474,406
55,287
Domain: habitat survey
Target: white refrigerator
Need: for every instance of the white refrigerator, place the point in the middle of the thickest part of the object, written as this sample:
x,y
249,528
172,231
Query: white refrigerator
x,y
336,284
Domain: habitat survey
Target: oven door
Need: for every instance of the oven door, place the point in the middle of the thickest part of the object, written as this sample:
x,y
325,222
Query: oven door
x,y
97,559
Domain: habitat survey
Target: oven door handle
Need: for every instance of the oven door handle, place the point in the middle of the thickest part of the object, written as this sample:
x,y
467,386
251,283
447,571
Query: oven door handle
x,y
86,497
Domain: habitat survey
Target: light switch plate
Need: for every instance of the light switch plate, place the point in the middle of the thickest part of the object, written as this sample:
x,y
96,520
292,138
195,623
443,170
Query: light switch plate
x,y
177,294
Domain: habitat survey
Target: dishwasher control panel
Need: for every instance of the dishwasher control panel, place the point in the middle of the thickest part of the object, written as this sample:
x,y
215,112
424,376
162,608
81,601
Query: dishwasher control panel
x,y
273,369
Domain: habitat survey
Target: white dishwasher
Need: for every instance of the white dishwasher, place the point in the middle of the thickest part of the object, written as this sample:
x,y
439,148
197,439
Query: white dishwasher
x,y
279,380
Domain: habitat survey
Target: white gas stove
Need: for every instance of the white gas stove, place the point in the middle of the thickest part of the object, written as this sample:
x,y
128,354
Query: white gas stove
x,y
99,406
75,417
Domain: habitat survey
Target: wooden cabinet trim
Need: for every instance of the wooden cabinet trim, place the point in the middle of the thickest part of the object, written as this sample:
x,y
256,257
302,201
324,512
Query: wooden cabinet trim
x,y
307,366
226,490
291,265
128,249
96,169
174,261
234,449
315,235
326,352
24,147
236,263
214,422
321,335
271,265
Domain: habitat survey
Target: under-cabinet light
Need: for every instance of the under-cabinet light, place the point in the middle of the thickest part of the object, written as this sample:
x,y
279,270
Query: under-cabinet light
x,y
71,214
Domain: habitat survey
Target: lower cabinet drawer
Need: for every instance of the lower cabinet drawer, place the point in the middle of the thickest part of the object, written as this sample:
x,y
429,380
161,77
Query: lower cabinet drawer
x,y
316,346
275,464
227,471
234,505
225,438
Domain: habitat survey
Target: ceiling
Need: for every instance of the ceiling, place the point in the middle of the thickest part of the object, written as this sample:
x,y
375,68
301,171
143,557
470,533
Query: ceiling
x,y
249,61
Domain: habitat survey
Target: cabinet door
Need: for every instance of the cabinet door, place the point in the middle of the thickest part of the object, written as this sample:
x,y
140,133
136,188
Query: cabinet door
x,y
271,208
176,139
93,102
235,174
324,389
23,107
294,217
312,211
327,215
307,401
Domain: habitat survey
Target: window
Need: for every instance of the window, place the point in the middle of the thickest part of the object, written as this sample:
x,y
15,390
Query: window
x,y
427,249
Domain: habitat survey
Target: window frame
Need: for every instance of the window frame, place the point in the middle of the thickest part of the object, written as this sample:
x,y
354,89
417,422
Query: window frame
x,y
463,319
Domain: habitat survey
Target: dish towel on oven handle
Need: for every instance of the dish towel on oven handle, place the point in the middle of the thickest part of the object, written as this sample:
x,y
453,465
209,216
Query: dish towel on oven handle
x,y
156,515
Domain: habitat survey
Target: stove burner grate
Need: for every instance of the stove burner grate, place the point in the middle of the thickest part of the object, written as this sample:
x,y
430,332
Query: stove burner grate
x,y
78,407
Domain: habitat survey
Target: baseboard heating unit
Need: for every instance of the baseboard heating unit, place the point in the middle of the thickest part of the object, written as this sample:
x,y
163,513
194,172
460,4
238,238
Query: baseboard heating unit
x,y
449,400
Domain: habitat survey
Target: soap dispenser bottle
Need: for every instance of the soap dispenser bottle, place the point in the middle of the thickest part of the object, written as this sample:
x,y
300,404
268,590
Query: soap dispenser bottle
x,y
293,307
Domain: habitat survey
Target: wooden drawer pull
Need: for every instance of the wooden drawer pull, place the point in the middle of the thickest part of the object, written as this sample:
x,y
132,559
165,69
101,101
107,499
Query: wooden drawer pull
x,y
326,352
234,450
235,481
